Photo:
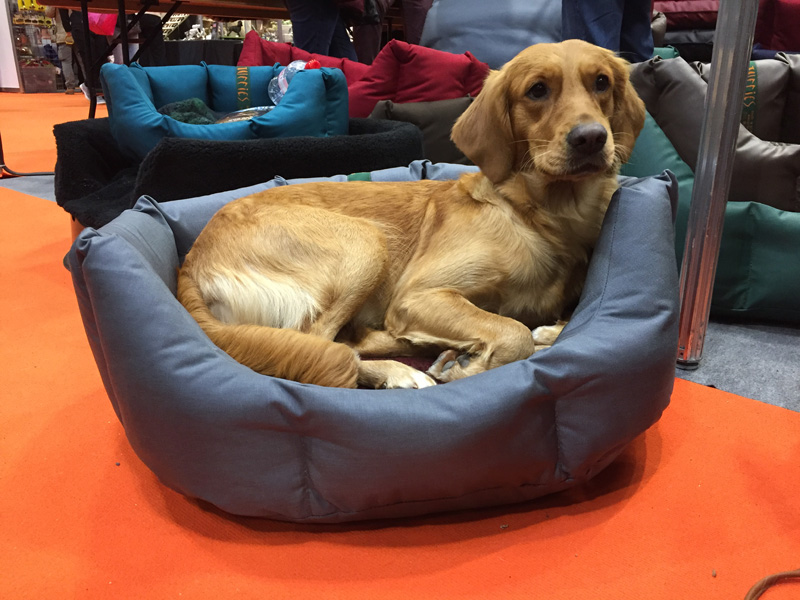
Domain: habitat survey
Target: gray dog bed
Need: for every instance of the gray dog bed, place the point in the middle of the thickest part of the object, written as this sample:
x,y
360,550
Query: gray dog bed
x,y
252,445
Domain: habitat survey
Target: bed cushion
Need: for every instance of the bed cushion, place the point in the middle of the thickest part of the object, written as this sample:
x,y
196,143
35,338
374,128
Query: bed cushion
x,y
257,52
253,445
435,120
408,73
763,171
314,105
778,25
756,276
765,95
689,14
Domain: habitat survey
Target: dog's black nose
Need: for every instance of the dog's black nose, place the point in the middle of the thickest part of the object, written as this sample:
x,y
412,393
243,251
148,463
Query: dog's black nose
x,y
587,138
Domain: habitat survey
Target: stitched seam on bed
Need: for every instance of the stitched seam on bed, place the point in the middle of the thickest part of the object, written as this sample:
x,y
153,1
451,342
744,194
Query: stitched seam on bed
x,y
306,475
601,299
412,502
599,305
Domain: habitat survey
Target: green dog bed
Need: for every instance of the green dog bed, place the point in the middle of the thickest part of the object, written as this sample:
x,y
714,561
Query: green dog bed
x,y
758,277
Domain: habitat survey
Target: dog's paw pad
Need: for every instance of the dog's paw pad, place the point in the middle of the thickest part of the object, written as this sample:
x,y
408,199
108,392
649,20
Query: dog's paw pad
x,y
445,361
450,365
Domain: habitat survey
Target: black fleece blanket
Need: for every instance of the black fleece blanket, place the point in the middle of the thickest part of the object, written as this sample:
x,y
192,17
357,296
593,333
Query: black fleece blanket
x,y
95,182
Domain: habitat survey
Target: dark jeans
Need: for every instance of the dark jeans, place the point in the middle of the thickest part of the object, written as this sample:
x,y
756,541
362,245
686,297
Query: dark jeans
x,y
367,38
155,55
318,27
619,25
98,48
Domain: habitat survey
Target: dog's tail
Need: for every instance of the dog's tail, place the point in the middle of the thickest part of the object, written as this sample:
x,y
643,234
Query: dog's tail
x,y
284,353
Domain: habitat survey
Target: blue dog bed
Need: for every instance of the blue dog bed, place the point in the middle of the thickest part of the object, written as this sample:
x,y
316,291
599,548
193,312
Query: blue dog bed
x,y
315,104
253,445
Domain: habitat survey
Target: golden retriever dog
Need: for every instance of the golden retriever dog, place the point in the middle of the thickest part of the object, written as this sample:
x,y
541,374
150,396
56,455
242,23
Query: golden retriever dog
x,y
303,281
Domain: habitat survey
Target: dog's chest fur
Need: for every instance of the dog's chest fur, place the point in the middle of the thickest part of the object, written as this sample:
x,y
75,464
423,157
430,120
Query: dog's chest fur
x,y
548,238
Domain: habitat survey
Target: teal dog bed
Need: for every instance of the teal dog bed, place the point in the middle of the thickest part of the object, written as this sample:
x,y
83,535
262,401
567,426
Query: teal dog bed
x,y
315,104
254,445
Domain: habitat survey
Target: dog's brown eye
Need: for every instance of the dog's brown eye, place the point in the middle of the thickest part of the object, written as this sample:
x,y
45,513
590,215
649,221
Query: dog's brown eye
x,y
602,83
538,91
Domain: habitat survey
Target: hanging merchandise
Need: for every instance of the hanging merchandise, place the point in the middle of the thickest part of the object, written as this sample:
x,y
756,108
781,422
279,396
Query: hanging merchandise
x,y
102,23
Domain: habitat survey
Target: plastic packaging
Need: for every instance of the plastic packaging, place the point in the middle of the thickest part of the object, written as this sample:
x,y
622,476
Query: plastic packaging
x,y
278,85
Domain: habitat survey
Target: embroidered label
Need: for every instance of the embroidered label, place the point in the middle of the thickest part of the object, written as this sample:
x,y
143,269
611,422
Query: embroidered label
x,y
750,97
243,87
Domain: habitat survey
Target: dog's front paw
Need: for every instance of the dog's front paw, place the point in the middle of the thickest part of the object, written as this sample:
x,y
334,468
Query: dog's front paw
x,y
391,374
411,379
545,336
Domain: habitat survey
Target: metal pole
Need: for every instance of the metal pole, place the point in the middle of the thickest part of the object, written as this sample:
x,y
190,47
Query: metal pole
x,y
88,60
733,42
122,23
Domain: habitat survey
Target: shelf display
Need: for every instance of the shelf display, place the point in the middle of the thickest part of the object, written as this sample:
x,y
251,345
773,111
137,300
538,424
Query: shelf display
x,y
36,53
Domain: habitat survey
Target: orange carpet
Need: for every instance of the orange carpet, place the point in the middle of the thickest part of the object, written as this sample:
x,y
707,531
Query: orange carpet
x,y
700,507
26,126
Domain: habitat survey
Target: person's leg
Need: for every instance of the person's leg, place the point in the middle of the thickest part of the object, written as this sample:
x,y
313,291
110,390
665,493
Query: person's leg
x,y
65,58
414,13
341,45
367,41
313,24
155,55
636,37
367,37
599,23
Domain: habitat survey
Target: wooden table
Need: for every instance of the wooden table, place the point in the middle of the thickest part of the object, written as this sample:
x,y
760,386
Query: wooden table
x,y
241,9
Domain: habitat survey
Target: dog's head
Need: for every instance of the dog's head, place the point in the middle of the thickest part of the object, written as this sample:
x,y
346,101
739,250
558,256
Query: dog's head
x,y
564,111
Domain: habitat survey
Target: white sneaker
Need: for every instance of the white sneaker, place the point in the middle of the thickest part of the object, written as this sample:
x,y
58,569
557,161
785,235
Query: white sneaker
x,y
85,90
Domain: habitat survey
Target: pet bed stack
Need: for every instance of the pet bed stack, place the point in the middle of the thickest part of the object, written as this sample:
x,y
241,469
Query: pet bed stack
x,y
253,445
401,72
690,26
104,165
757,275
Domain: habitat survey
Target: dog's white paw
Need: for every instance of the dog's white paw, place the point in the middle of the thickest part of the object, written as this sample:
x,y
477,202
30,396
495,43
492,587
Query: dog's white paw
x,y
546,335
391,374
409,379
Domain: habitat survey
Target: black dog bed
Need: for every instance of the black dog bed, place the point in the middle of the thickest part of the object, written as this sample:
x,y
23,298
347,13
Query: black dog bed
x,y
95,181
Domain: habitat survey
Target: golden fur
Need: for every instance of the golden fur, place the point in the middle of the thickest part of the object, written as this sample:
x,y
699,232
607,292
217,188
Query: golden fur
x,y
302,281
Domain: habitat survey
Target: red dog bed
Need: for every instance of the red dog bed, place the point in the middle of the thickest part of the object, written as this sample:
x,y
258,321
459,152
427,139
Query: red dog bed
x,y
778,25
689,14
401,72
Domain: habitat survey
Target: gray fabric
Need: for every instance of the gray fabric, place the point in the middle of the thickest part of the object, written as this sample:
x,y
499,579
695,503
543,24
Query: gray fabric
x,y
213,429
674,93
493,35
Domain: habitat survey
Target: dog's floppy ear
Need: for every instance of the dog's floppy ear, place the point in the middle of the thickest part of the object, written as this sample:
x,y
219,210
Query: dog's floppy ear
x,y
483,131
629,111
